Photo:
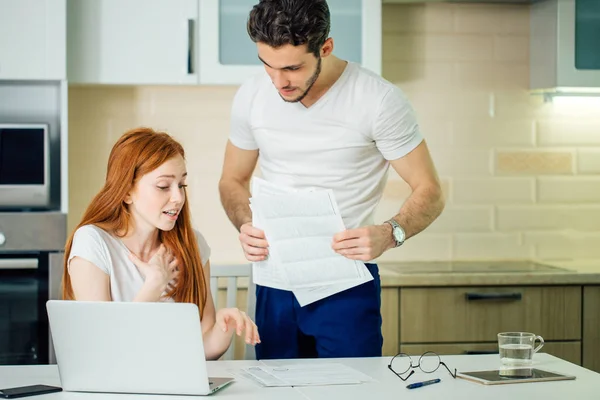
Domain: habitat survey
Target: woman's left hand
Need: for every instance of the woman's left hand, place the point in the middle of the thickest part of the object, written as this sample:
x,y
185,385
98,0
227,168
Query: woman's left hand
x,y
233,318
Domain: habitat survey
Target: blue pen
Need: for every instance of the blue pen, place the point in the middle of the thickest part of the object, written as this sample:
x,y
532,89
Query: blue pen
x,y
419,384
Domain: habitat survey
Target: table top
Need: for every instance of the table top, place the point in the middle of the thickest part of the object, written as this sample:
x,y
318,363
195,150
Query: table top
x,y
385,385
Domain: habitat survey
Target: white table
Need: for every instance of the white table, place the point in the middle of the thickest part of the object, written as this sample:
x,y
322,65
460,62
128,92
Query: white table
x,y
386,384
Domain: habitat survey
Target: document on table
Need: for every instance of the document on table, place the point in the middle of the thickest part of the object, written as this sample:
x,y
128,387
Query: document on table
x,y
299,226
306,375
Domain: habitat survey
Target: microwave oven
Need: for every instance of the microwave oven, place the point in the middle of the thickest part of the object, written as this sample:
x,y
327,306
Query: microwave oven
x,y
24,166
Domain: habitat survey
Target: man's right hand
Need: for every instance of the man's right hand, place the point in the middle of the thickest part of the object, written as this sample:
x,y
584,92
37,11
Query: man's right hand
x,y
253,242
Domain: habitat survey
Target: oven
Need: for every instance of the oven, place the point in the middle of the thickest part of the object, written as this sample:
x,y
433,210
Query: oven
x,y
31,256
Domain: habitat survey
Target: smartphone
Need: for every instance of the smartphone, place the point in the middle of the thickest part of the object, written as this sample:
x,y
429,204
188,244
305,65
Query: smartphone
x,y
24,391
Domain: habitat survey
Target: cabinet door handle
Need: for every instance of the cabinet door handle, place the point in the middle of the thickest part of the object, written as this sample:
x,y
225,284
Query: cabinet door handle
x,y
493,296
190,49
480,352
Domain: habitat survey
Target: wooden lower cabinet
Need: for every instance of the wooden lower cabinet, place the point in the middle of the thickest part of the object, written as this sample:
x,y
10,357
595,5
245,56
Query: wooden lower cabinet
x,y
478,314
390,319
466,320
570,351
591,327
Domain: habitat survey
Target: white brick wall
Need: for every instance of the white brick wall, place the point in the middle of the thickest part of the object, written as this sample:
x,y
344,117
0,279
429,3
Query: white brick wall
x,y
496,190
588,161
566,189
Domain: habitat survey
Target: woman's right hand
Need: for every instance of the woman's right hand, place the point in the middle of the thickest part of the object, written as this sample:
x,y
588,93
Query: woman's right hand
x,y
161,269
253,242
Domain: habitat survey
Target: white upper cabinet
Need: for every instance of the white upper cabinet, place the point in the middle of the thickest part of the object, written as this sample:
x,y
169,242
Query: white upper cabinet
x,y
32,39
228,56
565,45
132,41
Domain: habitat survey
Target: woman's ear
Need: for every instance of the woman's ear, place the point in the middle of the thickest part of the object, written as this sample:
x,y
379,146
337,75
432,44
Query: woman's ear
x,y
127,199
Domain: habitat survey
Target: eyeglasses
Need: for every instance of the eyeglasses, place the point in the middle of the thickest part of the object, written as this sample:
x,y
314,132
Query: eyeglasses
x,y
429,362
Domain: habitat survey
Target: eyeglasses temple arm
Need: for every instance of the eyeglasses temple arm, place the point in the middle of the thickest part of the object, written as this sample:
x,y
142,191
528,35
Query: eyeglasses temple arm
x,y
453,374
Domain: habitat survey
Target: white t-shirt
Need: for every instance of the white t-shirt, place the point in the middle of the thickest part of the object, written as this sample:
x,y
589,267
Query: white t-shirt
x,y
110,254
342,142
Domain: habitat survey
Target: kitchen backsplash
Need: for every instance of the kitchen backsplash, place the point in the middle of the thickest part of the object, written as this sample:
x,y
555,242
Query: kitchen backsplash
x,y
521,177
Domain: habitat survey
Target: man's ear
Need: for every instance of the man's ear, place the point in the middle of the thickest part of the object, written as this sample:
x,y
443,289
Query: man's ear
x,y
327,47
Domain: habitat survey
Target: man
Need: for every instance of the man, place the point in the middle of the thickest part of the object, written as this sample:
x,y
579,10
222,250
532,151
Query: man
x,y
318,121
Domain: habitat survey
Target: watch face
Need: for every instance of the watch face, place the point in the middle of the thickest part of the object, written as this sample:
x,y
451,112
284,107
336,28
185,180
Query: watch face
x,y
398,235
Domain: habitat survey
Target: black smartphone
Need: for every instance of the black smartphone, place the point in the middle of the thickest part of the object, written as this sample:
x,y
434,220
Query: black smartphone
x,y
24,391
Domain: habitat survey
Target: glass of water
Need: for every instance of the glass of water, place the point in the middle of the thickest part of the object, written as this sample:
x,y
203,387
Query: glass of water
x,y
518,348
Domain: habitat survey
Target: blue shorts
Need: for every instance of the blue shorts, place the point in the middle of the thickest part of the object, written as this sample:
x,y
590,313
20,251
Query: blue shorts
x,y
347,324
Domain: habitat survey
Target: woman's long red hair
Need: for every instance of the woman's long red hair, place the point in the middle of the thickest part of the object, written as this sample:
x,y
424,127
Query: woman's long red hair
x,y
136,153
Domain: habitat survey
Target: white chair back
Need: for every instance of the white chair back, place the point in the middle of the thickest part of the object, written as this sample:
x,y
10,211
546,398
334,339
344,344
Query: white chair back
x,y
232,273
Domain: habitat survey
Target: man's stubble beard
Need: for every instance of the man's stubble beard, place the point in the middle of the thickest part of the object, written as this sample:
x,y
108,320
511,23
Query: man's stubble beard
x,y
309,84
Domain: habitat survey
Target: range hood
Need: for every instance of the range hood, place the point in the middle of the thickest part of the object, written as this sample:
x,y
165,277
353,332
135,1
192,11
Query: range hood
x,y
565,46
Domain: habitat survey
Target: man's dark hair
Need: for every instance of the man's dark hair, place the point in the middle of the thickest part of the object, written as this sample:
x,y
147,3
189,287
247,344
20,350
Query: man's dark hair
x,y
296,22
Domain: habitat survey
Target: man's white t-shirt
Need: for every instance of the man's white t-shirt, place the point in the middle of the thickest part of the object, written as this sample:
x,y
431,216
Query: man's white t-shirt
x,y
110,254
342,142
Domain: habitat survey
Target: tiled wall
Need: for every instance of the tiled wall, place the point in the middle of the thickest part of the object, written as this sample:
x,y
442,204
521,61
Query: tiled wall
x,y
522,177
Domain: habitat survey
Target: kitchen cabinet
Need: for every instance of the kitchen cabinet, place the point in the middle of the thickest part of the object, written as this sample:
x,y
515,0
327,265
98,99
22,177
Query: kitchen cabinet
x,y
228,56
591,327
477,314
32,39
146,42
564,45
133,42
390,321
466,320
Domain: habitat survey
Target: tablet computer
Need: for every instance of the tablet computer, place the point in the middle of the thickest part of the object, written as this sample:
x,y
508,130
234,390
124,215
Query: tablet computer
x,y
523,375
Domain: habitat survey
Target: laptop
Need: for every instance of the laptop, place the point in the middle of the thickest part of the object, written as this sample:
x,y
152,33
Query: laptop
x,y
126,347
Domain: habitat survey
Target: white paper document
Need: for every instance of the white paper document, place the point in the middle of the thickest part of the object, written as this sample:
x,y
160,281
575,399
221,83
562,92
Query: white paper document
x,y
306,375
299,226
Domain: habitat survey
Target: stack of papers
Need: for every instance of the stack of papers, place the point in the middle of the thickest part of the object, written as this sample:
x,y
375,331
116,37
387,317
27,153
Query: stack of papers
x,y
299,226
306,375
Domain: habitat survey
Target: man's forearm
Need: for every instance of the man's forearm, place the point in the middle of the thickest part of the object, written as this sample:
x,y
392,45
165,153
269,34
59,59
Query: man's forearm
x,y
235,200
420,210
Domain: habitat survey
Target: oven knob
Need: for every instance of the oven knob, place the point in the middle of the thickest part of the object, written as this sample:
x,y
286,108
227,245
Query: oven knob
x,y
2,239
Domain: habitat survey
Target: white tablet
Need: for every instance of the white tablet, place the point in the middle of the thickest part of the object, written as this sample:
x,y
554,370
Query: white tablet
x,y
523,375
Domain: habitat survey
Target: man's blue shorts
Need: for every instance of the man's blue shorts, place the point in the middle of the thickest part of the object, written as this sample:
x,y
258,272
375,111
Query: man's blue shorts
x,y
347,324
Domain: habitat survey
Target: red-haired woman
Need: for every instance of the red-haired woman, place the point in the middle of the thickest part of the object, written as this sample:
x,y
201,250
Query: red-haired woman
x,y
135,241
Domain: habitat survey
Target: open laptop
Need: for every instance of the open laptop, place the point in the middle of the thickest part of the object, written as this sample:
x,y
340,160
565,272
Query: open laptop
x,y
125,347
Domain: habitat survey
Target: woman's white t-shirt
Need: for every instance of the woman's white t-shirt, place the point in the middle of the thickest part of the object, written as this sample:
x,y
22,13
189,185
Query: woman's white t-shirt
x,y
110,254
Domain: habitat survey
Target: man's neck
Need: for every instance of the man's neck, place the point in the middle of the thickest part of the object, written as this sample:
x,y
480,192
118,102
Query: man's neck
x,y
332,69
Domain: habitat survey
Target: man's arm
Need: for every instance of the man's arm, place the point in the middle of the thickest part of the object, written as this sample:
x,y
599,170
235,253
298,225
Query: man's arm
x,y
426,201
234,186
422,207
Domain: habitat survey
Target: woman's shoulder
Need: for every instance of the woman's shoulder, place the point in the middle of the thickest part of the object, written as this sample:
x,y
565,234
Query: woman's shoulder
x,y
92,232
202,246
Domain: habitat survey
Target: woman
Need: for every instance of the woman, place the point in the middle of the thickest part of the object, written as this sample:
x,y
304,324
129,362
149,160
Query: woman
x,y
136,243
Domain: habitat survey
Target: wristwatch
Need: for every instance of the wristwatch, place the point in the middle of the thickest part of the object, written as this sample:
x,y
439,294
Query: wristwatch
x,y
397,232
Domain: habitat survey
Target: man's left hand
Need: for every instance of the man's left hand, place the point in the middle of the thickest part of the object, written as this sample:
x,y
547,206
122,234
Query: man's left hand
x,y
365,243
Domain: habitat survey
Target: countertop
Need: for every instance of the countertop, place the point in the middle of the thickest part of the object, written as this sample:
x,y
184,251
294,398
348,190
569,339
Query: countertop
x,y
486,273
